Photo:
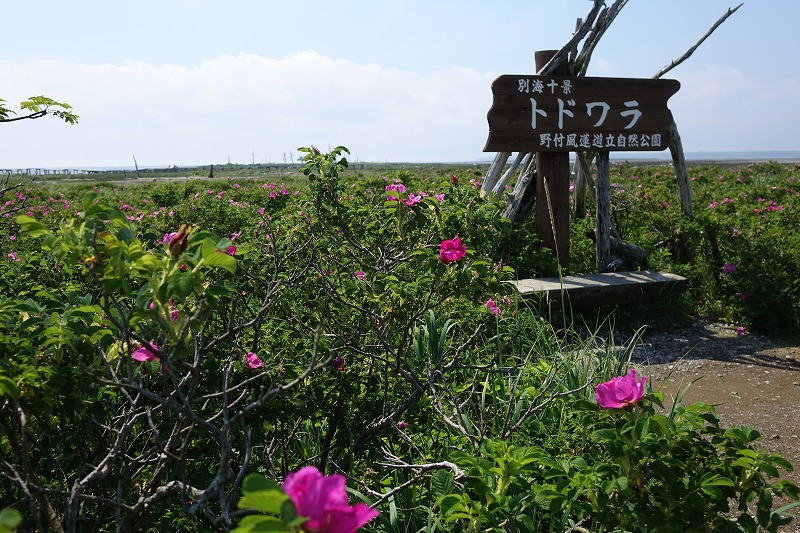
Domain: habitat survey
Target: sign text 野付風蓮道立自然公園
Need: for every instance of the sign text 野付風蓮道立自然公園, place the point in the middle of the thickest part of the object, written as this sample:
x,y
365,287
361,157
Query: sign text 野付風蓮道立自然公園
x,y
561,114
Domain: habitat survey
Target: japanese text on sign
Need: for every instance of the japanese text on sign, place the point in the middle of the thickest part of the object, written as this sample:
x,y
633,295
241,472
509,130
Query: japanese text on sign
x,y
551,113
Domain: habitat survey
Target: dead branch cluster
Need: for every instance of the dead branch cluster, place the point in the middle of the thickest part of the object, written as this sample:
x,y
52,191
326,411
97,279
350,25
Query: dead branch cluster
x,y
574,58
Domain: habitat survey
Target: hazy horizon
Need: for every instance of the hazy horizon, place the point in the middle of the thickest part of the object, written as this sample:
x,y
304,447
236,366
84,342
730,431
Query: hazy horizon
x,y
752,155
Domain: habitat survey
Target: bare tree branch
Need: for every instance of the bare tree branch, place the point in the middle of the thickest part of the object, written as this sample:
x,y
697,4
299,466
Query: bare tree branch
x,y
675,62
584,29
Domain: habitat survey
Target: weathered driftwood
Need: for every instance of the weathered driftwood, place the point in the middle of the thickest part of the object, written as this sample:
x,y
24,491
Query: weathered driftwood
x,y
522,197
574,62
675,62
607,16
681,171
675,144
521,160
631,255
493,174
562,56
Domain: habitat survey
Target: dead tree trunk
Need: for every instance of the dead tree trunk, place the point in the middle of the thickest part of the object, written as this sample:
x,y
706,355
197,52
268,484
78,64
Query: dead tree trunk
x,y
493,174
521,160
681,172
521,200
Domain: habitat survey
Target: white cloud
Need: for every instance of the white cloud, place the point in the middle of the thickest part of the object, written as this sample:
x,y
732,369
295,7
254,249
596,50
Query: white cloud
x,y
720,108
234,105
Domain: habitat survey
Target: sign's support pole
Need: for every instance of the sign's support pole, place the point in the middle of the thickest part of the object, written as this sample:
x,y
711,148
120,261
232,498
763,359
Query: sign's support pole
x,y
602,228
552,186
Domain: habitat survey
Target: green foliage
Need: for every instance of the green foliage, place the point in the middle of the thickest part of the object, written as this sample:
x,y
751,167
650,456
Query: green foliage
x,y
637,470
277,512
161,343
37,107
9,520
745,216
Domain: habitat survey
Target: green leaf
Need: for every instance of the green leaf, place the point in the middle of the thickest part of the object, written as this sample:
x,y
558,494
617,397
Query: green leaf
x,y
451,503
8,387
263,495
31,226
180,284
642,427
255,482
442,482
255,523
743,462
9,519
221,260
717,481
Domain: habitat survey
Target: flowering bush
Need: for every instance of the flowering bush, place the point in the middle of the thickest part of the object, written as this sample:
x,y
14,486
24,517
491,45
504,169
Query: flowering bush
x,y
633,469
322,323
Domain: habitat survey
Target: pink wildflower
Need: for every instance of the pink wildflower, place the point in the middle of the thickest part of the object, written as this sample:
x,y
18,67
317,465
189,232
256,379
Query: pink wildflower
x,y
413,199
620,391
452,250
493,307
324,501
145,353
253,360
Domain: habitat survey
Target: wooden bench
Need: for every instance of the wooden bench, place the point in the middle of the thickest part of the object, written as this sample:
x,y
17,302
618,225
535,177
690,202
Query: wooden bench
x,y
596,290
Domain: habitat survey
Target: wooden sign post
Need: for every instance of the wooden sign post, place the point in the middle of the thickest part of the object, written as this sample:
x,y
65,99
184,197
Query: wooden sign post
x,y
562,114
552,187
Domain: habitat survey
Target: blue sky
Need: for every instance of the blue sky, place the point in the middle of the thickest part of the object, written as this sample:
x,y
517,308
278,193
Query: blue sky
x,y
195,82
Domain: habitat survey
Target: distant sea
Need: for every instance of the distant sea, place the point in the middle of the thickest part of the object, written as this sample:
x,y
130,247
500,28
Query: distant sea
x,y
784,156
789,156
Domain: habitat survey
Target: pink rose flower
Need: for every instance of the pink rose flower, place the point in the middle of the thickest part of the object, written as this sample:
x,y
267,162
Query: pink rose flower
x,y
324,501
253,361
452,250
493,307
145,353
620,391
413,199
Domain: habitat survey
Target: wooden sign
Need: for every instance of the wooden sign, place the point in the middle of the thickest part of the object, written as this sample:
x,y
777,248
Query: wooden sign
x,y
571,114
